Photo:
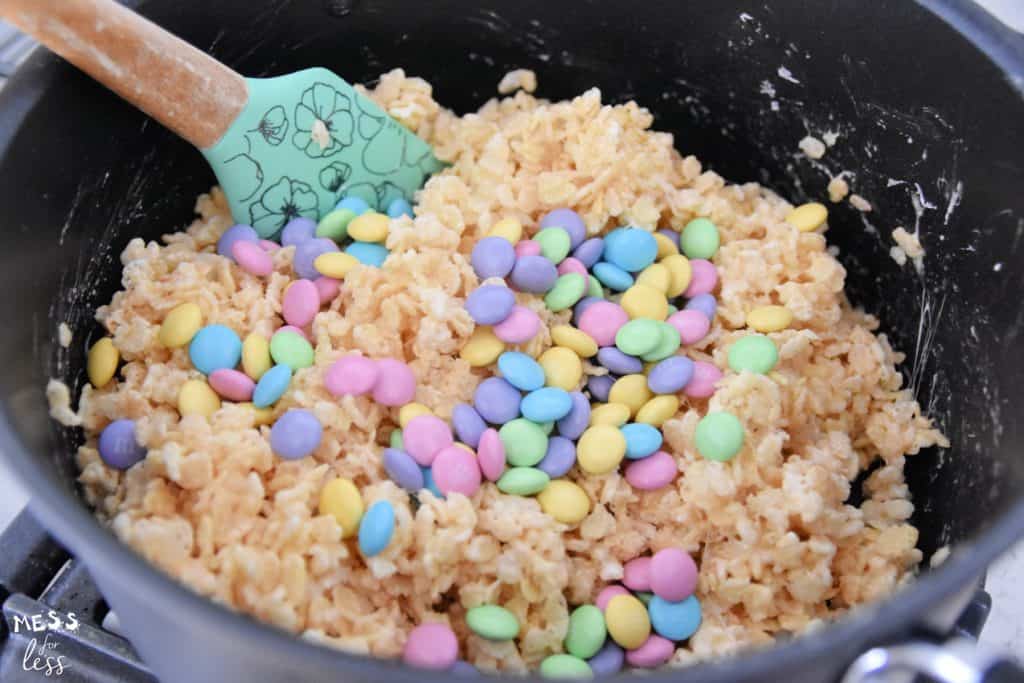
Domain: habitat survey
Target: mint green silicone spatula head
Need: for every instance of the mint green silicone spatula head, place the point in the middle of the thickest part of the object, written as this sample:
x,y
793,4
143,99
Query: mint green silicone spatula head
x,y
281,147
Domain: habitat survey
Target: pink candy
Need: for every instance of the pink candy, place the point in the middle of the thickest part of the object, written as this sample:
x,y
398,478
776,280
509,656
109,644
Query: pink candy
x,y
252,259
601,320
654,652
351,376
267,245
328,288
490,453
607,593
702,384
527,248
520,326
673,574
573,265
396,385
703,278
232,384
431,646
455,470
652,472
425,436
692,325
636,574
301,303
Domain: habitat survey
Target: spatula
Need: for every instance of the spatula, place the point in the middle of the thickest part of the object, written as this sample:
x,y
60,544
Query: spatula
x,y
281,147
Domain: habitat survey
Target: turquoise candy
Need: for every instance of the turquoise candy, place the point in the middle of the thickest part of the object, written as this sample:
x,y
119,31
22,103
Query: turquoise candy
x,y
612,277
675,620
641,440
521,371
376,528
368,253
546,405
215,347
271,386
631,249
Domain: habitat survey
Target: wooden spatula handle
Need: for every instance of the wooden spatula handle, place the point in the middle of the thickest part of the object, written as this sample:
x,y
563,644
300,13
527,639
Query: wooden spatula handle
x,y
183,88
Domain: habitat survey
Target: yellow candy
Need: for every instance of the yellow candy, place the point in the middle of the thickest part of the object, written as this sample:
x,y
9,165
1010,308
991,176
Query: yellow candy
x,y
666,247
335,264
411,410
632,391
627,621
261,416
614,414
509,228
655,276
769,318
562,368
197,398
180,325
659,409
482,348
600,449
369,227
256,356
341,499
565,501
807,217
679,273
642,301
577,340
102,362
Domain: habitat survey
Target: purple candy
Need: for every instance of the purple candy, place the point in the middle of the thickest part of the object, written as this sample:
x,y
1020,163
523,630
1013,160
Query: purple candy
x,y
468,424
403,470
297,231
296,434
608,660
568,220
618,362
490,304
234,234
307,252
497,401
560,457
493,257
670,375
671,234
705,303
534,274
599,387
590,251
584,303
572,425
463,668
118,446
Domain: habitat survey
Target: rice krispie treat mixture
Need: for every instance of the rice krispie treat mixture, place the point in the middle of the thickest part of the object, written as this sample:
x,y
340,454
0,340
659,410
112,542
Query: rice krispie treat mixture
x,y
215,505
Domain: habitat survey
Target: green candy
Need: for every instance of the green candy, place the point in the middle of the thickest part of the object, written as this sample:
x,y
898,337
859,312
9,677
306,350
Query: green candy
x,y
719,436
565,666
567,291
334,225
644,597
672,310
586,631
523,481
554,244
595,289
525,442
638,337
548,427
754,353
699,239
668,344
291,349
396,439
492,622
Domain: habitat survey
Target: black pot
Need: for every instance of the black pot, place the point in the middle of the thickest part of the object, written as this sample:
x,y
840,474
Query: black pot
x,y
927,99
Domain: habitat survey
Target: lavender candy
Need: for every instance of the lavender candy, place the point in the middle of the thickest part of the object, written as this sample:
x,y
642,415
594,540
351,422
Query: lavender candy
x,y
307,252
608,660
468,424
493,257
599,387
559,458
402,469
490,304
296,434
297,231
497,401
534,274
118,447
589,252
568,220
582,305
618,362
234,234
670,375
705,303
464,668
575,423
671,234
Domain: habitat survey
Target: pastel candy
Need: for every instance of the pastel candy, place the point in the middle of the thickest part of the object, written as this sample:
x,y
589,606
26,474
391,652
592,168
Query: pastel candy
x,y
578,419
533,274
252,258
295,434
654,652
692,325
703,280
673,574
572,265
271,385
491,455
652,472
520,326
670,375
368,253
492,257
301,303
399,207
296,231
599,387
590,251
468,424
455,470
118,446
215,347
234,234
490,304
607,593
705,303
554,242
675,620
641,440
327,288
581,306
560,457
546,404
396,384
521,371
568,220
355,204
425,436
351,376
608,660
376,529
306,253
611,276
636,574
402,469
232,384
702,384
631,249
496,400
527,248
618,362
602,320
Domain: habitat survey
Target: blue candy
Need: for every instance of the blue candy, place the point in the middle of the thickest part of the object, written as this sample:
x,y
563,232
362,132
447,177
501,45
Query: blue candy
x,y
608,660
675,620
399,207
589,252
402,469
559,458
599,387
356,205
546,404
368,253
631,249
573,425
521,371
376,528
618,362
215,347
641,440
612,277
428,482
234,234
271,386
